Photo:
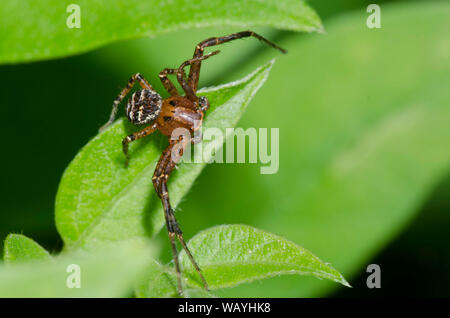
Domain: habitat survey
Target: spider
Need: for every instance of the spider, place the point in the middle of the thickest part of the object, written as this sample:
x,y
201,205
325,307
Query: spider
x,y
146,107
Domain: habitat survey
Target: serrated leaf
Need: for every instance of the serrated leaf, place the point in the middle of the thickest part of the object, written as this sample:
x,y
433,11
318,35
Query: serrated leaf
x,y
44,33
230,255
100,201
109,272
19,248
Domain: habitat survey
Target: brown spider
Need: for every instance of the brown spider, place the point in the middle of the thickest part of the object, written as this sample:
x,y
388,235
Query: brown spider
x,y
147,107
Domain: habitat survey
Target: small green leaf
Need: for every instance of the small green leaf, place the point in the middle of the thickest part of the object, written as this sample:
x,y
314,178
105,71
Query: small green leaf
x,y
19,248
230,255
44,33
110,272
101,201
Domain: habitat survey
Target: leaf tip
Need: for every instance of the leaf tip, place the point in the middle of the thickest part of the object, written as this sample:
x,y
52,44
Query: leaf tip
x,y
10,238
344,282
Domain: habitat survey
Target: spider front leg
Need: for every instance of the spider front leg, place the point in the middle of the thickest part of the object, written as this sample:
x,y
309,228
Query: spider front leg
x,y
181,77
194,72
164,168
135,136
168,85
136,77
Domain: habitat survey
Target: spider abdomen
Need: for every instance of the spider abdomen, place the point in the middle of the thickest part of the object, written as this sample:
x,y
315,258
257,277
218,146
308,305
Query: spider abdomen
x,y
143,107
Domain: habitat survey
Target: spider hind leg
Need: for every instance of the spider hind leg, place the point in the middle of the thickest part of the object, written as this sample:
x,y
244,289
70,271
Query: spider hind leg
x,y
165,166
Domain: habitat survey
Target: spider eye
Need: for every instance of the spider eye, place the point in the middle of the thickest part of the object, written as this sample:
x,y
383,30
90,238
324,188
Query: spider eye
x,y
143,107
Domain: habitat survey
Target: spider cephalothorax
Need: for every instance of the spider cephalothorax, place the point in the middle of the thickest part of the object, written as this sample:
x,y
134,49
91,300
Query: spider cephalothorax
x,y
168,115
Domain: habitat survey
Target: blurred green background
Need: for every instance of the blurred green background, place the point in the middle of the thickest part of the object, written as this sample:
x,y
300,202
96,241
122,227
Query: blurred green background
x,y
322,96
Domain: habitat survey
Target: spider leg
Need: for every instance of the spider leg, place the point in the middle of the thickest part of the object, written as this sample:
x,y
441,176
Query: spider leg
x,y
135,136
164,168
195,67
136,77
181,76
168,85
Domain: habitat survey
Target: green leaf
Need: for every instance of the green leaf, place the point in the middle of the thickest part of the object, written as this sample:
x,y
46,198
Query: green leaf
x,y
160,281
230,255
197,293
109,272
365,142
44,34
157,282
19,248
101,201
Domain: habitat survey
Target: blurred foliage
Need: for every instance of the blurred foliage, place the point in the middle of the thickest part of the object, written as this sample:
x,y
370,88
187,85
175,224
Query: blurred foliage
x,y
44,35
19,248
355,91
417,262
108,272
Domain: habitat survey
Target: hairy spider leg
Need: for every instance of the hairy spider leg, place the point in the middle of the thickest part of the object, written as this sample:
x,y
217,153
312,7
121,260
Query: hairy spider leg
x,y
135,136
136,77
181,77
164,168
194,72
